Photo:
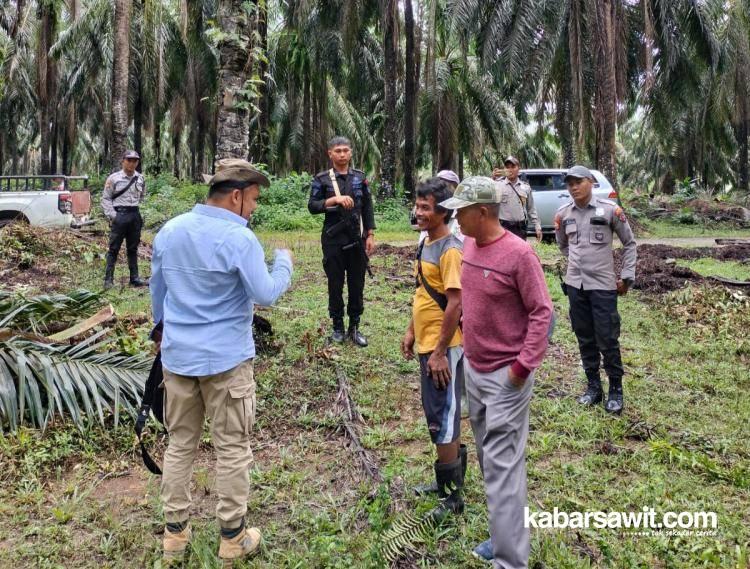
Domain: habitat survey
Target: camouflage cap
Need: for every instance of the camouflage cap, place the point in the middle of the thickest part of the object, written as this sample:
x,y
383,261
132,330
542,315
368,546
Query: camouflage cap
x,y
237,170
474,190
579,172
131,154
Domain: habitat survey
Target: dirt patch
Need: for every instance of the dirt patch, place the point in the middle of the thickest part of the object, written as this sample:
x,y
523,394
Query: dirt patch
x,y
404,254
36,257
657,270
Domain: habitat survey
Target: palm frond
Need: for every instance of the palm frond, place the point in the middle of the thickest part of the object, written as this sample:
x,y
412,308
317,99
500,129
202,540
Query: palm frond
x,y
31,314
39,381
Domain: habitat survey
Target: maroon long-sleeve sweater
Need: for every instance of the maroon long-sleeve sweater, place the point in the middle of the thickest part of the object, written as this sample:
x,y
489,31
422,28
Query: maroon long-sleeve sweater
x,y
506,305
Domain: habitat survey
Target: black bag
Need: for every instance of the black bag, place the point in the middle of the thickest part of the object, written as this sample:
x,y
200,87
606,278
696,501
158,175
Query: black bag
x,y
153,400
439,298
116,195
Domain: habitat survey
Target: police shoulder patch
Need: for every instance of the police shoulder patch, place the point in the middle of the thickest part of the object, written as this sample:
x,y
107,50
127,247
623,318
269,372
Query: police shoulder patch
x,y
557,221
620,214
607,201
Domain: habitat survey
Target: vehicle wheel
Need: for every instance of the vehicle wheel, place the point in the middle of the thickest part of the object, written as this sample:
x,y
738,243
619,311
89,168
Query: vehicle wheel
x,y
5,221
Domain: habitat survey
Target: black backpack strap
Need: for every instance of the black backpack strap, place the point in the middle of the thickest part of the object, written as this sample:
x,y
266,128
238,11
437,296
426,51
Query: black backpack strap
x,y
132,181
155,378
439,298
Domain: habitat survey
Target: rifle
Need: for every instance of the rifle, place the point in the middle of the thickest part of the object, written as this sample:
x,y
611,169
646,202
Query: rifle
x,y
349,222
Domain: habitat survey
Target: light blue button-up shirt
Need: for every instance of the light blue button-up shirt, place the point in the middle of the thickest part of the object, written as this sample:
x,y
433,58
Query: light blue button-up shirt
x,y
207,272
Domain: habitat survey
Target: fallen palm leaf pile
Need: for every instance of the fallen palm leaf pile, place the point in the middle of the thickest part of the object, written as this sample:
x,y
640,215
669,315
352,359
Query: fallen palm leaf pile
x,y
41,379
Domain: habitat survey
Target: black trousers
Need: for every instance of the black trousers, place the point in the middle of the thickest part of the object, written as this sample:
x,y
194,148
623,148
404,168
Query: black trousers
x,y
340,263
515,227
126,227
596,323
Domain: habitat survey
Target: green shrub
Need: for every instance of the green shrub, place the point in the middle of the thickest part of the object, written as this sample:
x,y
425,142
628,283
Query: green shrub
x,y
282,206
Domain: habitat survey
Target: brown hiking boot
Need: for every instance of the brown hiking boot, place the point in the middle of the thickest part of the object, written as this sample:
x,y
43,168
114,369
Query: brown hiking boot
x,y
244,544
174,545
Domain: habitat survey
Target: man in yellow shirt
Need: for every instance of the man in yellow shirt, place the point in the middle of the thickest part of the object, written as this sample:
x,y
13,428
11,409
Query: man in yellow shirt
x,y
436,311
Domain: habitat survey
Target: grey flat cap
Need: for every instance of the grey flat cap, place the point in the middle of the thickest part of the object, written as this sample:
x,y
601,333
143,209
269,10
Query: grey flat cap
x,y
579,172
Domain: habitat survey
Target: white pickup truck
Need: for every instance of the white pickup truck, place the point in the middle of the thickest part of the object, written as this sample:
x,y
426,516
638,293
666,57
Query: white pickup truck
x,y
45,201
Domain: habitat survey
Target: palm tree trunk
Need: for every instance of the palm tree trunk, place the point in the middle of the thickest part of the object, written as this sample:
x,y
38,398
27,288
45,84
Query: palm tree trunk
x,y
322,127
308,152
157,147
138,123
120,75
45,80
575,49
741,133
234,63
606,90
390,127
260,139
69,137
648,46
53,147
410,95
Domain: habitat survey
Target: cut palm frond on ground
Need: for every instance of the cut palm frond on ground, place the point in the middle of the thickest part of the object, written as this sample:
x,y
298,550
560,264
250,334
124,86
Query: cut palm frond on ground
x,y
34,314
38,381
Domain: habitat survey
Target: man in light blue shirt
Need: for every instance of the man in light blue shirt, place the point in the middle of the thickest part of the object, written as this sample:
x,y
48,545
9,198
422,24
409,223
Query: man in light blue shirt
x,y
208,270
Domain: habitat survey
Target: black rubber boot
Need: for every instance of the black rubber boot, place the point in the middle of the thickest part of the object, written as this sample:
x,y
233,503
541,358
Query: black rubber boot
x,y
355,335
450,481
135,280
432,487
593,393
109,273
463,453
338,334
614,403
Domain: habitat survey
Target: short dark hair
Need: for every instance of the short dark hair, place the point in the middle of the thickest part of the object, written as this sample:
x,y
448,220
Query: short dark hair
x,y
494,209
339,141
438,189
226,187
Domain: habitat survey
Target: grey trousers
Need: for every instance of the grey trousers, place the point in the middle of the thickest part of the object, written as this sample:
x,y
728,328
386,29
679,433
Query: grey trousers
x,y
499,415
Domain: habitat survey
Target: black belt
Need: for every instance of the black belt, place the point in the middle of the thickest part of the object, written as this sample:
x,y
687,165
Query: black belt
x,y
505,223
124,208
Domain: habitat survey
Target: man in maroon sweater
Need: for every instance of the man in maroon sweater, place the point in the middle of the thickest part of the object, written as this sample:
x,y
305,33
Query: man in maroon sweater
x,y
506,317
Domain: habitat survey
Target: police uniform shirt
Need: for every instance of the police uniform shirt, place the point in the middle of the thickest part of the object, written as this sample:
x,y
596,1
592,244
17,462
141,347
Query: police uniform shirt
x,y
585,235
117,182
357,188
517,205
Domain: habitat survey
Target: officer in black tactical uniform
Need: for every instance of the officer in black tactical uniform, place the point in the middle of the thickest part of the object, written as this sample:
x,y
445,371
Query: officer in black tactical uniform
x,y
348,238
123,192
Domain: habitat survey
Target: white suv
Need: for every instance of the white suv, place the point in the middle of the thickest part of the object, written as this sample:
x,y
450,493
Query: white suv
x,y
550,192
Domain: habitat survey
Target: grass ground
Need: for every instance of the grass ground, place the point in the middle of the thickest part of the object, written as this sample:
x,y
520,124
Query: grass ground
x,y
71,498
665,228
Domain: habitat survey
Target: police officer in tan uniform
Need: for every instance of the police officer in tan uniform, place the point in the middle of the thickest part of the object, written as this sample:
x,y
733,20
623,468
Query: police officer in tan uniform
x,y
584,230
517,207
123,193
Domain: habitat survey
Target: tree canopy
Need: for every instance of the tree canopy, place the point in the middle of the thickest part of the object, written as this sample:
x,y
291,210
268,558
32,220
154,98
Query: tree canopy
x,y
648,91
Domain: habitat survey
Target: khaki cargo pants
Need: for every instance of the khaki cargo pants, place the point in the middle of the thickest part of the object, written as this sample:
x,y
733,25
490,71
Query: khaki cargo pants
x,y
228,400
